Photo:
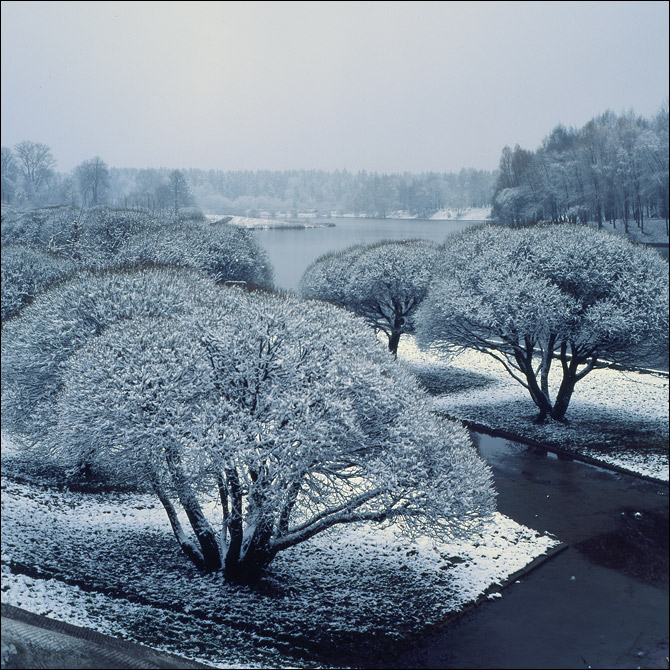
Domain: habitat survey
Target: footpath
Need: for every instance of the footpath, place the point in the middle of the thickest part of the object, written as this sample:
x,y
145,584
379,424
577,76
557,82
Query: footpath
x,y
600,603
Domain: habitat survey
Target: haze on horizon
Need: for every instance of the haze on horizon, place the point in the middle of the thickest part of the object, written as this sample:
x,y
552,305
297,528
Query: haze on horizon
x,y
380,86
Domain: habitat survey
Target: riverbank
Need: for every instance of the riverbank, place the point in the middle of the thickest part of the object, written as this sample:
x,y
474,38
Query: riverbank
x,y
616,418
256,223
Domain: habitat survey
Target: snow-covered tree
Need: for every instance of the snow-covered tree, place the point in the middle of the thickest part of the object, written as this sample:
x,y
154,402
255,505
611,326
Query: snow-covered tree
x,y
109,237
383,282
180,193
36,165
37,343
278,411
220,251
9,172
529,296
93,179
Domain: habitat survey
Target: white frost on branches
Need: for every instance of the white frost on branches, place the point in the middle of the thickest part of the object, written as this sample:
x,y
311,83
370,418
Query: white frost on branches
x,y
289,414
383,282
529,296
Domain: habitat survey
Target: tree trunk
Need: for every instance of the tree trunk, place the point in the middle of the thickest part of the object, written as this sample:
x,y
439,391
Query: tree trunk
x,y
525,362
563,397
211,553
249,569
234,521
394,340
193,553
547,356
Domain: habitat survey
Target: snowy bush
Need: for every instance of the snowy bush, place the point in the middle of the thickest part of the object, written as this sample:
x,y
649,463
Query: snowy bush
x,y
26,272
222,252
383,282
265,410
104,237
104,232
37,343
44,228
533,295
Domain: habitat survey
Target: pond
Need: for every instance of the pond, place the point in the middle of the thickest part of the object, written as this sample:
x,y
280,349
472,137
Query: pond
x,y
292,250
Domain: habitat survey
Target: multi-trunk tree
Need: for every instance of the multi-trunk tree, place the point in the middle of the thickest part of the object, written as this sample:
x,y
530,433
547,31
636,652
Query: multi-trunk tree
x,y
266,422
550,303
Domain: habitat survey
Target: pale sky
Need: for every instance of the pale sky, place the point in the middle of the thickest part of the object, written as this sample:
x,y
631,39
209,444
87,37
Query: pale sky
x,y
382,86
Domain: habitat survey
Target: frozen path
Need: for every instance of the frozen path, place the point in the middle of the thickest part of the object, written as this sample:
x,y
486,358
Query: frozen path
x,y
601,603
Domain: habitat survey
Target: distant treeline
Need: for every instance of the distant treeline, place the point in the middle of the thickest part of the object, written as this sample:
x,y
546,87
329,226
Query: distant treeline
x,y
29,178
365,193
614,168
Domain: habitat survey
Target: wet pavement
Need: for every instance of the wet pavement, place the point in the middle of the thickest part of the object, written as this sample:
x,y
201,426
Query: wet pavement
x,y
601,603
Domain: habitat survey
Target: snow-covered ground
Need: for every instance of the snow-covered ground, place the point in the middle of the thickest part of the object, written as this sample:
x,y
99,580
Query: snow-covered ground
x,y
616,417
108,562
654,230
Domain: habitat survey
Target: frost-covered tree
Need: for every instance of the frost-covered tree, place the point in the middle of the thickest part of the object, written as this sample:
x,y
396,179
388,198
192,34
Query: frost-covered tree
x,y
8,174
220,251
93,179
529,296
613,168
35,164
108,237
383,282
286,414
180,193
37,343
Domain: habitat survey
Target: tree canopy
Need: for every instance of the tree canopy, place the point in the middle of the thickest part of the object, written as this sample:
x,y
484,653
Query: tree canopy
x,y
69,240
37,342
527,296
262,407
383,282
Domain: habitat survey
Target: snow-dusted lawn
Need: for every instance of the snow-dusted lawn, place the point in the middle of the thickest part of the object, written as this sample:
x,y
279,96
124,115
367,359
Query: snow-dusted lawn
x,y
654,230
616,417
108,562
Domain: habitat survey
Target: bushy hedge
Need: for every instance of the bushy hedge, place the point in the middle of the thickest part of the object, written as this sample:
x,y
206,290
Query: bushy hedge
x,y
49,244
27,272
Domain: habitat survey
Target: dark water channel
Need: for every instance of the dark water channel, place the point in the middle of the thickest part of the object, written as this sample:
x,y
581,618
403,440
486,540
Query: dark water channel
x,y
600,603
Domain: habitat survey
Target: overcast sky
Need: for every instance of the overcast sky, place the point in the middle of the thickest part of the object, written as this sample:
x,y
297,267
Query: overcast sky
x,y
381,86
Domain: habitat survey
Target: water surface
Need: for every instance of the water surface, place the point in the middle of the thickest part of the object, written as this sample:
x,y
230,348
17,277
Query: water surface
x,y
292,250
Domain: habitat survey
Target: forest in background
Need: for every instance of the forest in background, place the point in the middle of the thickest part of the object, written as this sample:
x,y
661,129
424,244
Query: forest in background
x,y
614,168
29,178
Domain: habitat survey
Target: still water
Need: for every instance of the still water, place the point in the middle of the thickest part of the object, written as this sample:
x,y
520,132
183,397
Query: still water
x,y
292,250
